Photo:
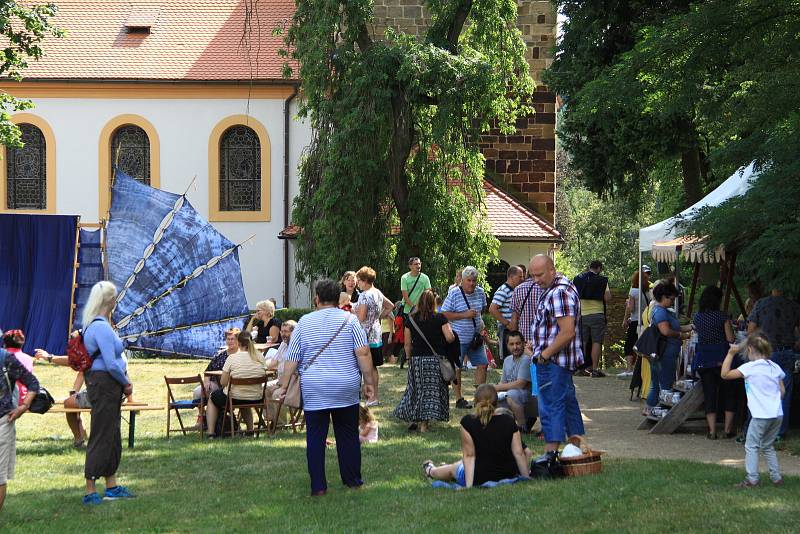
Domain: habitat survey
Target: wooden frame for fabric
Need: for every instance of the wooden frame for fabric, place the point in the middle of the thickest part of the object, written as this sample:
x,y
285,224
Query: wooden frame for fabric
x,y
174,404
260,406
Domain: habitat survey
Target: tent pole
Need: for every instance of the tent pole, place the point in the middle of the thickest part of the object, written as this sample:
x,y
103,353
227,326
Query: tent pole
x,y
639,300
72,305
693,292
729,281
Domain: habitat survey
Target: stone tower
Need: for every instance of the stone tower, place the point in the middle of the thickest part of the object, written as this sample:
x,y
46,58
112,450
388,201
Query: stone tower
x,y
523,163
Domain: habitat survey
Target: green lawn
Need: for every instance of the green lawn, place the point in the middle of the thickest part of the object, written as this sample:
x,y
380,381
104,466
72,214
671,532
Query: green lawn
x,y
247,485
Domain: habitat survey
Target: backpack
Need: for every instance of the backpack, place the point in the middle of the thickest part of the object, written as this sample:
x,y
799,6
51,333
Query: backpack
x,y
42,402
78,357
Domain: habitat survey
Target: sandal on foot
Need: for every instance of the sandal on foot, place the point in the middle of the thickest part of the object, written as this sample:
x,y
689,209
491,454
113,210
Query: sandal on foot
x,y
427,466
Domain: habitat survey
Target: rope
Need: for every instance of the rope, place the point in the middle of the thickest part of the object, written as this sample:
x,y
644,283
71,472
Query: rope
x,y
166,330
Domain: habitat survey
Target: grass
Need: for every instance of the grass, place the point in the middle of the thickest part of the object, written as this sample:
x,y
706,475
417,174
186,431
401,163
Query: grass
x,y
246,485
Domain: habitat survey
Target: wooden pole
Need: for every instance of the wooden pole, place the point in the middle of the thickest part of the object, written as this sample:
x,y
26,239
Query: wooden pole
x,y
693,292
729,281
74,276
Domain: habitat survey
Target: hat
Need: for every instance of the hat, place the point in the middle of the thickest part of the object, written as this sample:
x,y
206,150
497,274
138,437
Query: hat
x,y
646,269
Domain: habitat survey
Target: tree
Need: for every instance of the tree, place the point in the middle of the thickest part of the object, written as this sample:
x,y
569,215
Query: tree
x,y
610,125
396,128
23,29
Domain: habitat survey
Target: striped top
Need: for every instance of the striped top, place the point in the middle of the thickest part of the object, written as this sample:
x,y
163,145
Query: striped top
x,y
502,299
333,380
465,328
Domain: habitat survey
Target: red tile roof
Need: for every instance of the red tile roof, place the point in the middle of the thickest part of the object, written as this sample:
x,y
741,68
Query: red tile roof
x,y
513,221
510,219
198,40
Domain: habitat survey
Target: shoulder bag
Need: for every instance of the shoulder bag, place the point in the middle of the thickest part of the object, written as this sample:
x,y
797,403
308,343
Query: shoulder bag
x,y
445,367
294,397
651,344
477,338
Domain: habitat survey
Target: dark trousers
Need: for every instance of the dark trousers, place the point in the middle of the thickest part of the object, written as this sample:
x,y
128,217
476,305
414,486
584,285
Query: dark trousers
x,y
348,447
105,443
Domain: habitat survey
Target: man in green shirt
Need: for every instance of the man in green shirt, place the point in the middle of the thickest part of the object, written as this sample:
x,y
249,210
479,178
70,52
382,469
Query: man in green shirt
x,y
413,283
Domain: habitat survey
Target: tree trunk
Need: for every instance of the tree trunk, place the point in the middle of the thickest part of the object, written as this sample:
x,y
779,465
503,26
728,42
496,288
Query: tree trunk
x,y
399,150
691,165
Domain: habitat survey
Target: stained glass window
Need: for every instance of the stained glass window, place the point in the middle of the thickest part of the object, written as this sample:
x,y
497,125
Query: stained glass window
x,y
240,170
130,151
26,171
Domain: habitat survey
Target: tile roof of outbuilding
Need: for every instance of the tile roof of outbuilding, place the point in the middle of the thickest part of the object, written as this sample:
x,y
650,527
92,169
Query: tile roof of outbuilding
x,y
198,40
513,221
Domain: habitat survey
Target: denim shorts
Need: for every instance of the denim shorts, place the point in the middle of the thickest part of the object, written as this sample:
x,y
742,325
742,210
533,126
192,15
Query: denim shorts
x,y
476,356
461,478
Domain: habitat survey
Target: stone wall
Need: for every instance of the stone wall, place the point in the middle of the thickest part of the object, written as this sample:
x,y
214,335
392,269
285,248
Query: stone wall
x,y
524,162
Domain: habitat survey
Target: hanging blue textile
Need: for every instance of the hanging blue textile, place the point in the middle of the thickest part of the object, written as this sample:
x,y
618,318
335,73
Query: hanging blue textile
x,y
90,271
179,279
37,257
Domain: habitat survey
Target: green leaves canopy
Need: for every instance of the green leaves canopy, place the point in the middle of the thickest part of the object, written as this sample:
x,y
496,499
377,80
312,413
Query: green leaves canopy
x,y
397,123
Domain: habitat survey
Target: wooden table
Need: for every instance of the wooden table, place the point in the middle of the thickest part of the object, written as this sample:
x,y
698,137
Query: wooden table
x,y
133,409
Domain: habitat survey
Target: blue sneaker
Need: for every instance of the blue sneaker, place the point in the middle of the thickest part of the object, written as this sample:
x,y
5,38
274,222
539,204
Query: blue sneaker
x,y
92,499
118,492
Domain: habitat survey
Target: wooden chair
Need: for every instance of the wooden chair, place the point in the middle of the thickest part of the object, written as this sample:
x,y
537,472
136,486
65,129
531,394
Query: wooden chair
x,y
297,417
188,404
260,405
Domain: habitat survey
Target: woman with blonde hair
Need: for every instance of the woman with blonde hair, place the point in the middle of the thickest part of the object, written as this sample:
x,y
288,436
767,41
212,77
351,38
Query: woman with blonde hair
x,y
265,323
491,446
246,363
106,383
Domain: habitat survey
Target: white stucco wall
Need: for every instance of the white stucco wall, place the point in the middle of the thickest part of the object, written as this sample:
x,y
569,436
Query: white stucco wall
x,y
183,127
516,253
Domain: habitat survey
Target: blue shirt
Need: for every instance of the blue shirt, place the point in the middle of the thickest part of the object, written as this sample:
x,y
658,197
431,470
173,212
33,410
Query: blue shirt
x,y
334,379
100,336
465,328
661,314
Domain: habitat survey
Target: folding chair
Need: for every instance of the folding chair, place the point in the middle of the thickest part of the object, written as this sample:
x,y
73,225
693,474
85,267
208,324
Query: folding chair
x,y
188,404
260,404
297,417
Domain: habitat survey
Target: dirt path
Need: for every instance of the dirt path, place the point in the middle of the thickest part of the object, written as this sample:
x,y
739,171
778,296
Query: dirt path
x,y
611,421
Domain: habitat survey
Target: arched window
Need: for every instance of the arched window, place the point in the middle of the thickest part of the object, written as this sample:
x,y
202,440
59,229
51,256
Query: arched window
x,y
130,152
239,170
26,171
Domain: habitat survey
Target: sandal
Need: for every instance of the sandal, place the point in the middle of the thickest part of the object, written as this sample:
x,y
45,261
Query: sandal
x,y
711,435
427,467
413,427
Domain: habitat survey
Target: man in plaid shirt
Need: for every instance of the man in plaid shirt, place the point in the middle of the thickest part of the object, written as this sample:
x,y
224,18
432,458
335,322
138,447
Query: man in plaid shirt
x,y
557,346
523,307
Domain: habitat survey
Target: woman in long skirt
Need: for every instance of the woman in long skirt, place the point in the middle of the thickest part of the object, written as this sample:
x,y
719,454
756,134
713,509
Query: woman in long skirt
x,y
426,396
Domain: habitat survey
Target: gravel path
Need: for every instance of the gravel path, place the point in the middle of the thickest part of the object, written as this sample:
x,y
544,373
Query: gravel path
x,y
611,421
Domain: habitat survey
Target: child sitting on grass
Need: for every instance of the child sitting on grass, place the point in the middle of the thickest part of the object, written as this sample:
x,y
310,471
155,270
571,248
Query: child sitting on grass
x,y
367,426
763,381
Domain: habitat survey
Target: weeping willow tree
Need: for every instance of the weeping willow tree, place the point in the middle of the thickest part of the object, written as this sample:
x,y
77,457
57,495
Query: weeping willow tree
x,y
394,168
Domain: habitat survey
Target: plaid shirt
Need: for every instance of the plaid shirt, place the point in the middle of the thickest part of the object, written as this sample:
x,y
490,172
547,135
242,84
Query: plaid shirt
x,y
527,293
559,300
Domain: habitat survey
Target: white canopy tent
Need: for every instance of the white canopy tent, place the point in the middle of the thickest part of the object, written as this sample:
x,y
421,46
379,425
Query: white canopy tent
x,y
664,240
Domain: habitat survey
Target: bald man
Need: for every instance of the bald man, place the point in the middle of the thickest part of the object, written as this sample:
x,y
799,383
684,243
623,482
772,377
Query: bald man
x,y
557,349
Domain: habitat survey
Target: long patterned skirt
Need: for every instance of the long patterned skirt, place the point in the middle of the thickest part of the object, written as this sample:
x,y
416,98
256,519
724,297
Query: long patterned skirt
x,y
426,395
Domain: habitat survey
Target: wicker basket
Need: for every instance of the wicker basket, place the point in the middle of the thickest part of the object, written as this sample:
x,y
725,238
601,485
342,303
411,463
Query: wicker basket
x,y
585,464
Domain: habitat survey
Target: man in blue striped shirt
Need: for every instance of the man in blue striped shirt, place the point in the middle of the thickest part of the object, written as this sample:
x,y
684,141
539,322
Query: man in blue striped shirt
x,y
463,307
500,308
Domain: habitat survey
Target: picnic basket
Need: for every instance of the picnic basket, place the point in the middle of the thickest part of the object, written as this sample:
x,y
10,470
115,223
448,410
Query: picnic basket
x,y
588,463
585,464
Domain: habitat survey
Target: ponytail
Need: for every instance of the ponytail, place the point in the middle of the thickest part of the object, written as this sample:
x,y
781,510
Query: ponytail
x,y
246,342
758,343
485,403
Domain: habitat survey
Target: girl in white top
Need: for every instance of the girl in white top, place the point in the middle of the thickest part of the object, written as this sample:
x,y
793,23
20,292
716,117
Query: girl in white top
x,y
763,380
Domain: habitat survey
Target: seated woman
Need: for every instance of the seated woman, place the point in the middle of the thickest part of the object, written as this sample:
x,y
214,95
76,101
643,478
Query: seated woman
x,y
246,363
264,322
276,359
491,446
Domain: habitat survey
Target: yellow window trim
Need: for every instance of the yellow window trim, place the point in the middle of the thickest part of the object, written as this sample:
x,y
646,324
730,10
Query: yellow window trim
x,y
50,165
104,159
214,213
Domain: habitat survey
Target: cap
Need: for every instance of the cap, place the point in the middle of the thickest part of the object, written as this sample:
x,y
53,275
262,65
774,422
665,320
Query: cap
x,y
646,269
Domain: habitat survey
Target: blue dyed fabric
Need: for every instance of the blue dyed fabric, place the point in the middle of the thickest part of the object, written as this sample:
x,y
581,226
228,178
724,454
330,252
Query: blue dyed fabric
x,y
188,243
90,271
38,255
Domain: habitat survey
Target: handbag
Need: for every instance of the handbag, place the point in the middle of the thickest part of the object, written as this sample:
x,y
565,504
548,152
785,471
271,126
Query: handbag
x,y
445,367
294,396
477,338
651,344
42,402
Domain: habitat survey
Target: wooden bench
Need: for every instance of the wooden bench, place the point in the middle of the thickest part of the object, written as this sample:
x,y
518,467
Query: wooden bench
x,y
133,409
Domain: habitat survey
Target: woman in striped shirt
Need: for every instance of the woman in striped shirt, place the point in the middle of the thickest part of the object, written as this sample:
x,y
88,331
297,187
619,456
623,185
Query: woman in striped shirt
x,y
330,351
